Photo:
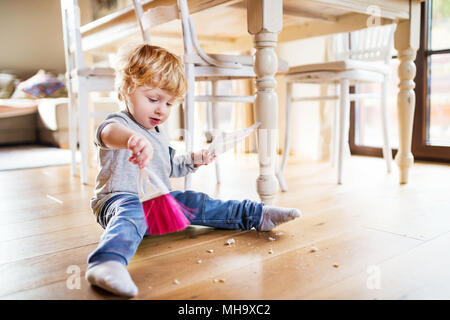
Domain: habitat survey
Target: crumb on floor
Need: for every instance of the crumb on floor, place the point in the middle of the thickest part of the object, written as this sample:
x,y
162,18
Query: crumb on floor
x,y
230,242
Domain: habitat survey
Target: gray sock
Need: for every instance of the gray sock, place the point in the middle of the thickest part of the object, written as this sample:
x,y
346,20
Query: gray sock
x,y
113,277
273,216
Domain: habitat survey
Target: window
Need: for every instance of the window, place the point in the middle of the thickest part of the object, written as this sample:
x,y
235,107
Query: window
x,y
431,132
437,60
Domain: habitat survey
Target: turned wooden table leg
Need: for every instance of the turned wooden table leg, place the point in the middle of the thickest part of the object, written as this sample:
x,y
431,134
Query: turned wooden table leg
x,y
406,43
265,22
405,104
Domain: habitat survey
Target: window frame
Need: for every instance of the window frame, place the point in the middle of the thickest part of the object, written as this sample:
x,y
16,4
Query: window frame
x,y
420,149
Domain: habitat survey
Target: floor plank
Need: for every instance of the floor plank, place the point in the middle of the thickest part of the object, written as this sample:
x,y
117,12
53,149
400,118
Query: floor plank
x,y
419,273
295,271
368,223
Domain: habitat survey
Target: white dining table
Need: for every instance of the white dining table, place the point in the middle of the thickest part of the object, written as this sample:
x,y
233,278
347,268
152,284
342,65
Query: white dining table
x,y
265,24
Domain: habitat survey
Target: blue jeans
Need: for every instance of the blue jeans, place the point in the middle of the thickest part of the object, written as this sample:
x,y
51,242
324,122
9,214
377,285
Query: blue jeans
x,y
123,219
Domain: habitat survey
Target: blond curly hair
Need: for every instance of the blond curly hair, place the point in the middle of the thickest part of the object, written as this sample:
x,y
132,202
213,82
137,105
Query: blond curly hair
x,y
152,66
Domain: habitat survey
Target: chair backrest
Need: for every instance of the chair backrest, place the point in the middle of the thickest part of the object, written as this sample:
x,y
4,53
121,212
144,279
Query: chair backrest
x,y
70,12
190,41
183,10
139,14
370,44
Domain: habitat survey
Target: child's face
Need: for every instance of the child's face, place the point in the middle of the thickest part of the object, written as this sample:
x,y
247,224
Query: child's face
x,y
150,106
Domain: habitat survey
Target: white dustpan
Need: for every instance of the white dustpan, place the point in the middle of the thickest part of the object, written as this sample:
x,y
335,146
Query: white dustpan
x,y
227,140
150,189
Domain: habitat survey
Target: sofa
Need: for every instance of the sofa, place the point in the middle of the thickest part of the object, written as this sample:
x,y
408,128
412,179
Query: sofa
x,y
35,117
41,121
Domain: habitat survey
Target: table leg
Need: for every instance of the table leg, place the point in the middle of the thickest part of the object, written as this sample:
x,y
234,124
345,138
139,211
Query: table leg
x,y
264,20
406,42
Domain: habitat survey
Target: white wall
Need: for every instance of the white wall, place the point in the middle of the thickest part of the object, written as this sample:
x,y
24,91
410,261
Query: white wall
x,y
31,36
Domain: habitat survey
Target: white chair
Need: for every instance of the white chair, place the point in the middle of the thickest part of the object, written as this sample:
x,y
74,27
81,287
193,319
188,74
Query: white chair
x,y
81,80
200,66
361,56
139,15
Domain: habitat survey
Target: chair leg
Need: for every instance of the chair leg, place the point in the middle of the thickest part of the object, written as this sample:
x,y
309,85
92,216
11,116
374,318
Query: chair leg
x,y
209,120
343,120
215,92
280,171
335,128
83,130
189,120
72,121
387,151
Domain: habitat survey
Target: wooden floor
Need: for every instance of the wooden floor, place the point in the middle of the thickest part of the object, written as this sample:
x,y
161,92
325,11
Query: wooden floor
x,y
375,239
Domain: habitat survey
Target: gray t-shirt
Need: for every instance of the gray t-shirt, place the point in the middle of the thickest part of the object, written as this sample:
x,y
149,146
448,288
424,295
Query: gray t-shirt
x,y
119,176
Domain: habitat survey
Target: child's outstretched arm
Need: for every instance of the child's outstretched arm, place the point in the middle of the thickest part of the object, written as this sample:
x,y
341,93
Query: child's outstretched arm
x,y
117,136
202,157
185,164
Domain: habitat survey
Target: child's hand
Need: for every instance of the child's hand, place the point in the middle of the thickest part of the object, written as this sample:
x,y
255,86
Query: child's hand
x,y
203,157
142,150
